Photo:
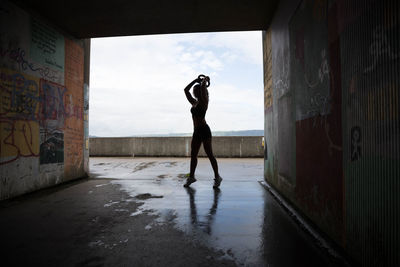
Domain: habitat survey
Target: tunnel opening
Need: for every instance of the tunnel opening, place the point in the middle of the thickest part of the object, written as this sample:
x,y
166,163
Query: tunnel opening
x,y
152,98
138,107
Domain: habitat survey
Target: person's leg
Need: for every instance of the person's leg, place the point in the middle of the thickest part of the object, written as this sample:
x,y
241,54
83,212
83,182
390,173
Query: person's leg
x,y
196,143
208,149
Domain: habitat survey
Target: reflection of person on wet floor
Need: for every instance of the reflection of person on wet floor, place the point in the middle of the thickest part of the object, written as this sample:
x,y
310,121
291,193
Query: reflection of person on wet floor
x,y
202,132
211,213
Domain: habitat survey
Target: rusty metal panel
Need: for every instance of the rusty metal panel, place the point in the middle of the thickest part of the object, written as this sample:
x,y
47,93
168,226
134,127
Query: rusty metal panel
x,y
370,61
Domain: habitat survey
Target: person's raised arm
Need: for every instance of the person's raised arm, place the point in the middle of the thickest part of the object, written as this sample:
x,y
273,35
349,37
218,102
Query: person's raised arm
x,y
188,94
205,82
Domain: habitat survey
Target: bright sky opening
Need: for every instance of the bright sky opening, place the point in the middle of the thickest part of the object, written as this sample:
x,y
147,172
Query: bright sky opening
x,y
137,82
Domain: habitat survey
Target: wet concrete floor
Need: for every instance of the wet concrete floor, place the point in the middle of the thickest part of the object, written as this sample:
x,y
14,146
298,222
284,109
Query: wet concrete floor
x,y
135,212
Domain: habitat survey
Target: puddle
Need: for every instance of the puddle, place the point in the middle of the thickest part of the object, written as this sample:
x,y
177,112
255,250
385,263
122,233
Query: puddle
x,y
100,185
147,196
229,220
136,213
121,210
111,203
144,165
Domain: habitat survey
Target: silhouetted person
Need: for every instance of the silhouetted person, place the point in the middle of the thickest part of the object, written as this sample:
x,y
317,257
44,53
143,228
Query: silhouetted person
x,y
202,132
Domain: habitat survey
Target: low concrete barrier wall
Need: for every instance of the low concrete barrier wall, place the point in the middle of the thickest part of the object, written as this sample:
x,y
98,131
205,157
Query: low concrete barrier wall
x,y
223,146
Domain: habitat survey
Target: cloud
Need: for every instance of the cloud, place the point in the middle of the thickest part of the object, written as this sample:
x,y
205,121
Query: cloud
x,y
247,45
137,82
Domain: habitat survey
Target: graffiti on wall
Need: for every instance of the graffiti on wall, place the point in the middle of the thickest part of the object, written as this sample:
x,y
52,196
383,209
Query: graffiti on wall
x,y
19,108
370,65
20,95
372,103
38,113
344,66
35,116
29,46
380,47
52,116
313,78
310,60
47,45
18,56
41,114
355,143
32,118
315,75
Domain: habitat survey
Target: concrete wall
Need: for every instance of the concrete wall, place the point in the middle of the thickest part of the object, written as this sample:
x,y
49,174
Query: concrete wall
x,y
43,103
232,146
331,83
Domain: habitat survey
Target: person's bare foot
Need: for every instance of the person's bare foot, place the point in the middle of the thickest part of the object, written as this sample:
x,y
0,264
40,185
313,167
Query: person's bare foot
x,y
217,182
189,181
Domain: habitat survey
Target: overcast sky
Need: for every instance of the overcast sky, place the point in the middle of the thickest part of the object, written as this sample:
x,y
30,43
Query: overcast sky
x,y
136,83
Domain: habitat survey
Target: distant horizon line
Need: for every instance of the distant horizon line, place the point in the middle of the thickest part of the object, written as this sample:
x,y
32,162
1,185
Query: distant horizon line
x,y
214,133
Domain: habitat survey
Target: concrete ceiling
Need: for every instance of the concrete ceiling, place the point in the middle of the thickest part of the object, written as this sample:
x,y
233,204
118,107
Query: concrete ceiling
x,y
100,18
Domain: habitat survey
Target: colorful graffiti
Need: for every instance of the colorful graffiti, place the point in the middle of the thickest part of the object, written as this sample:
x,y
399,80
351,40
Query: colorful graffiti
x,y
19,109
52,118
18,139
35,115
41,112
52,103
